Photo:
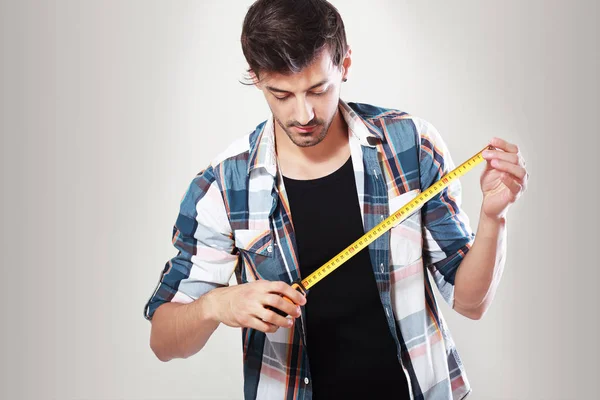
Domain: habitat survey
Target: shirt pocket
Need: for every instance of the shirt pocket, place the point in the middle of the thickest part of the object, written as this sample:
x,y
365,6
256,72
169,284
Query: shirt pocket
x,y
406,240
259,241
257,251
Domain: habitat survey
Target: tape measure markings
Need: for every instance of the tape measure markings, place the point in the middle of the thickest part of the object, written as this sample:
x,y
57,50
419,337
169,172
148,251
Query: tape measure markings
x,y
394,219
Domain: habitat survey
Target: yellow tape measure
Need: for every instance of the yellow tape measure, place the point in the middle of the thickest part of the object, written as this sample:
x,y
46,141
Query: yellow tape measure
x,y
303,285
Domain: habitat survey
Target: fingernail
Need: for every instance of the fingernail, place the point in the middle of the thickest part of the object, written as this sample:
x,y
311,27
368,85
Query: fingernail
x,y
487,153
290,322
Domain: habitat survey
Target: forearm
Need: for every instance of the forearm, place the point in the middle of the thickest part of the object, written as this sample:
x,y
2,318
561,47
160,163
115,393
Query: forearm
x,y
181,330
479,273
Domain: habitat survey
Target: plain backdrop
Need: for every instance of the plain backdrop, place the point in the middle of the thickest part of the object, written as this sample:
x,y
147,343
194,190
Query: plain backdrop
x,y
109,109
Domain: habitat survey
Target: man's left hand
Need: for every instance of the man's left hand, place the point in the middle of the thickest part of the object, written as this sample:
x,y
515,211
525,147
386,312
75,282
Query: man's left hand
x,y
504,179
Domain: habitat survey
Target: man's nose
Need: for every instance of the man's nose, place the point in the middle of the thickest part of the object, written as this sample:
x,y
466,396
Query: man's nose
x,y
304,111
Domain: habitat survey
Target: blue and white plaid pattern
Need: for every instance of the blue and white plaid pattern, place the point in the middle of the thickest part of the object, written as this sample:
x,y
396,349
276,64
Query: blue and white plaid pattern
x,y
235,218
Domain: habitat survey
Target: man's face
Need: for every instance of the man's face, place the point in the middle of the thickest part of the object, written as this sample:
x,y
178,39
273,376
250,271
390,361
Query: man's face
x,y
305,103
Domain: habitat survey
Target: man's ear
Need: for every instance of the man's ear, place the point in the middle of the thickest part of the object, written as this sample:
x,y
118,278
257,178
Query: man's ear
x,y
346,64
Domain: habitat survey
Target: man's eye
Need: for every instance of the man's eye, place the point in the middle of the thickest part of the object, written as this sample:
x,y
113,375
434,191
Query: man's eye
x,y
321,93
281,98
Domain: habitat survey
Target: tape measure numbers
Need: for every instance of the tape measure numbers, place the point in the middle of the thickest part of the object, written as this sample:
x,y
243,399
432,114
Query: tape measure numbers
x,y
304,285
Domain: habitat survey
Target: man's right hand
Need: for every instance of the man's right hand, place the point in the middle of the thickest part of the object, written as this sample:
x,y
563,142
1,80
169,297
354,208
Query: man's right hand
x,y
246,305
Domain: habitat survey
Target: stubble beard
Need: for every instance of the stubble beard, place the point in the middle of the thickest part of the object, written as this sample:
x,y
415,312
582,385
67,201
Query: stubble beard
x,y
308,139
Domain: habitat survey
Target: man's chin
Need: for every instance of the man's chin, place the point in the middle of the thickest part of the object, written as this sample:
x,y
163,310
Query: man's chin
x,y
307,139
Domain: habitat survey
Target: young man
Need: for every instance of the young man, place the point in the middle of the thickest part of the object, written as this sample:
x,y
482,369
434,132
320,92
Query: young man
x,y
307,182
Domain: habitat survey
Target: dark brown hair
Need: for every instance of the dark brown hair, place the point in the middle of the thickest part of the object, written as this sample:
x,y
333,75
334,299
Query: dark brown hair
x,y
284,36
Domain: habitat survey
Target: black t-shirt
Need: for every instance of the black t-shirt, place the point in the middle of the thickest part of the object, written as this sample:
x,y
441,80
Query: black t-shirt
x,y
351,351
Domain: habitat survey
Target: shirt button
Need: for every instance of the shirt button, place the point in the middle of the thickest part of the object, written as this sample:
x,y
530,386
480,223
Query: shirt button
x,y
306,380
382,217
381,267
270,249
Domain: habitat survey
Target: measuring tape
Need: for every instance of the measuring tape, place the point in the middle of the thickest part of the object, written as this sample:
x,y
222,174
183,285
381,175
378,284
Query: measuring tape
x,y
304,285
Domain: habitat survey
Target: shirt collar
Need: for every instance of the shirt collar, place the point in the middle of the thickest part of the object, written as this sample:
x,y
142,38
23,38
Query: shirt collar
x,y
262,152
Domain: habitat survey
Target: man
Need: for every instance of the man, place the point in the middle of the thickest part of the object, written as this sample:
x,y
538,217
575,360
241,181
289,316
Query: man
x,y
307,182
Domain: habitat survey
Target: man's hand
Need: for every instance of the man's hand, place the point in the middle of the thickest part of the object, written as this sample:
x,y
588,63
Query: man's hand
x,y
504,179
245,305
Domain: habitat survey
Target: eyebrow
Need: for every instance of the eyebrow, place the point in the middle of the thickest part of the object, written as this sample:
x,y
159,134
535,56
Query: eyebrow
x,y
272,89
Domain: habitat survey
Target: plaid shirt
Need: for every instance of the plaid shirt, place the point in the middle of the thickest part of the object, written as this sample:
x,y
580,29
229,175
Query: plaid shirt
x,y
235,218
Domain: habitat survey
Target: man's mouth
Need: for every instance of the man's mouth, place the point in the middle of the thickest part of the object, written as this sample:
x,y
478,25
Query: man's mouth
x,y
305,129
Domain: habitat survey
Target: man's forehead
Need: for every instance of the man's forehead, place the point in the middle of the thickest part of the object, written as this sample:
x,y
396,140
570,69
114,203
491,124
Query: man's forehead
x,y
319,71
292,84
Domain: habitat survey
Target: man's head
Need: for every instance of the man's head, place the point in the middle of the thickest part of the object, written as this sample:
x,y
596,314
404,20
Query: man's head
x,y
298,56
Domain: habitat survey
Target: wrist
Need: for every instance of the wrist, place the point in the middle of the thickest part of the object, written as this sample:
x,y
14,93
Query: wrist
x,y
491,227
209,305
496,220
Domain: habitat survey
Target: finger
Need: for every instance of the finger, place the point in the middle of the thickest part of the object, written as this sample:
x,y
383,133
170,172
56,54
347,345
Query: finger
x,y
258,324
504,145
286,290
271,317
501,155
516,170
280,303
512,184
521,160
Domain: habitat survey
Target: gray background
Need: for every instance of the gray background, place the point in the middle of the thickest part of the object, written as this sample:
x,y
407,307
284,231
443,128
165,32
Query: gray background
x,y
109,108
